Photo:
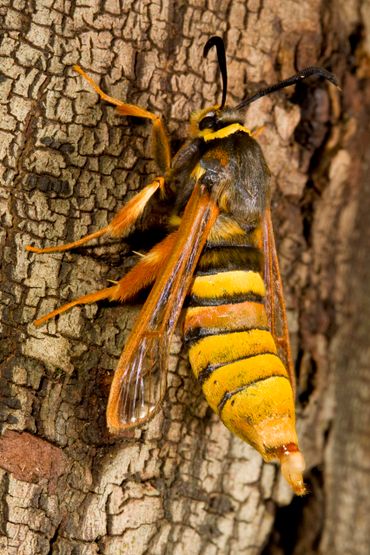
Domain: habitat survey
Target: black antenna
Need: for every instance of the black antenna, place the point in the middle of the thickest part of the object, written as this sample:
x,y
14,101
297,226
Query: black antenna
x,y
300,76
221,58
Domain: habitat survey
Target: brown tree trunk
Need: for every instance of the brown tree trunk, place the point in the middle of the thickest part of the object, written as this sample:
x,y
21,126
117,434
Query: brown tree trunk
x,y
182,485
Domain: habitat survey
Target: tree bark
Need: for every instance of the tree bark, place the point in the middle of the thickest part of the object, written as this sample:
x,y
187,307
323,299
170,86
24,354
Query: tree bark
x,y
182,484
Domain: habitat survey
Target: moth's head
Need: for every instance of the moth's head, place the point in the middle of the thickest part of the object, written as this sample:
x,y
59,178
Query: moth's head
x,y
214,118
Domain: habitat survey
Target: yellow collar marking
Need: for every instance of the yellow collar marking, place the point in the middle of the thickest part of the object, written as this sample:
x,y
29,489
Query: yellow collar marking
x,y
224,132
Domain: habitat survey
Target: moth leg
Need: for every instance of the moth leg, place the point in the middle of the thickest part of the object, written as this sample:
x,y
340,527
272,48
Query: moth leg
x,y
140,276
146,270
160,146
121,223
86,299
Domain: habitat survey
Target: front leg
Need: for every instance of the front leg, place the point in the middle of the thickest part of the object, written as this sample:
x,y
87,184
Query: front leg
x,y
160,145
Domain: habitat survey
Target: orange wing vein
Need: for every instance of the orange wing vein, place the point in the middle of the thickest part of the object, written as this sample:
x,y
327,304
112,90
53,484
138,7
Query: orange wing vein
x,y
275,304
139,382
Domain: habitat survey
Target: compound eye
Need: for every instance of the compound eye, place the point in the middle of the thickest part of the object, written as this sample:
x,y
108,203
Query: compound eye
x,y
209,122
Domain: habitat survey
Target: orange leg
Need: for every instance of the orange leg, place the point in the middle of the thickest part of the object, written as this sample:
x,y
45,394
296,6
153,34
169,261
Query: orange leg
x,y
141,275
160,143
119,226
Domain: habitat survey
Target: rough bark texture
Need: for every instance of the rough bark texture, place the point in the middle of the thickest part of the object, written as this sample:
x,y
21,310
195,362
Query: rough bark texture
x,y
182,485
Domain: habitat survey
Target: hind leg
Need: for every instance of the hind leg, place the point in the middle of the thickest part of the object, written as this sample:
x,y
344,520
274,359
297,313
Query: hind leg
x,y
141,275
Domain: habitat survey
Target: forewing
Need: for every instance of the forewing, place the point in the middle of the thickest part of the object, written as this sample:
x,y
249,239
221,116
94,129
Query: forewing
x,y
275,304
139,383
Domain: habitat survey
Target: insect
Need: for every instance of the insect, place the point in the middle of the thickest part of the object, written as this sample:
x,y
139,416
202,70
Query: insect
x,y
222,258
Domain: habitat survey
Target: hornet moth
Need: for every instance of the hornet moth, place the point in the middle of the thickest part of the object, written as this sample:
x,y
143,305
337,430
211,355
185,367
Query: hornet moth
x,y
221,257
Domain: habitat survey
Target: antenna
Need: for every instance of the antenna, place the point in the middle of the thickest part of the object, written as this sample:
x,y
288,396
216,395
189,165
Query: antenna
x,y
221,58
300,76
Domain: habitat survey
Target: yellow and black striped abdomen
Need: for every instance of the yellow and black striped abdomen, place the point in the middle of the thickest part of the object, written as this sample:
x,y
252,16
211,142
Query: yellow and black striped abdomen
x,y
232,351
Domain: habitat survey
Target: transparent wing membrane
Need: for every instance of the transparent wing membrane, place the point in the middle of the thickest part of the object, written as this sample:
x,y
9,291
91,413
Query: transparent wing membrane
x,y
144,384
